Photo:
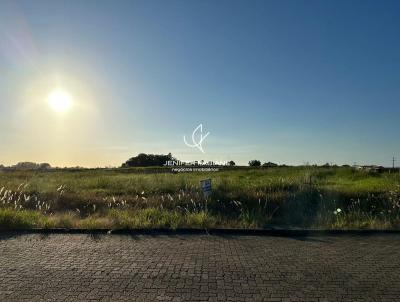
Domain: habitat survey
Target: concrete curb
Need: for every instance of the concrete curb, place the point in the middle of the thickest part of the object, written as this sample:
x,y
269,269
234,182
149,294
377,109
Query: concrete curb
x,y
241,232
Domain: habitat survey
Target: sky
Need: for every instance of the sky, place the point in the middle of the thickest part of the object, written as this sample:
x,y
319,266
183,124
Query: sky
x,y
291,82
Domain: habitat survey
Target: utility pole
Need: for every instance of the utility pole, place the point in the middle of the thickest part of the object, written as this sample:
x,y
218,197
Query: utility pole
x,y
393,160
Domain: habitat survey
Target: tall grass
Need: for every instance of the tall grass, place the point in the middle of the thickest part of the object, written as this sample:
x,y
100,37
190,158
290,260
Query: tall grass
x,y
245,198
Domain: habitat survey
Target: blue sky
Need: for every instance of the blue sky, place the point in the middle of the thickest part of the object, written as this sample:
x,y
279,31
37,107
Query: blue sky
x,y
283,81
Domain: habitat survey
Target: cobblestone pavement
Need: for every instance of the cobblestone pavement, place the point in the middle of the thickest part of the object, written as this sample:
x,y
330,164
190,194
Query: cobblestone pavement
x,y
199,268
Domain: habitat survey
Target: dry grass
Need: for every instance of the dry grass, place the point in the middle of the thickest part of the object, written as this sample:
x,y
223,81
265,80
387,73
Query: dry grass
x,y
243,198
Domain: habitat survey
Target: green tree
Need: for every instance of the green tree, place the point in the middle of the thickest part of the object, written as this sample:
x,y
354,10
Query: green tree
x,y
254,163
148,160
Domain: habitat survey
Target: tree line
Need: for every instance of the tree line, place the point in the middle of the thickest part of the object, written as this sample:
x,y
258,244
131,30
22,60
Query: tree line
x,y
145,160
151,160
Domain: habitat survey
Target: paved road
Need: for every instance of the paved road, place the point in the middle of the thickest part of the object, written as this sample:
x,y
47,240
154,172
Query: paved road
x,y
199,268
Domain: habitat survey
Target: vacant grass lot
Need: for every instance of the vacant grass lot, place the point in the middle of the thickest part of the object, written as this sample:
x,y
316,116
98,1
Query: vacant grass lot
x,y
334,198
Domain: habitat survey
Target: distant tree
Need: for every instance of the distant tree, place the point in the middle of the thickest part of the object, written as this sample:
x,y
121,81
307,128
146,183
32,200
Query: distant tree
x,y
44,166
269,165
26,166
148,160
327,165
254,163
31,166
231,163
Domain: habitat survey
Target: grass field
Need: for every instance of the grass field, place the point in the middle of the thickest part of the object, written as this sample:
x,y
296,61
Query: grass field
x,y
311,197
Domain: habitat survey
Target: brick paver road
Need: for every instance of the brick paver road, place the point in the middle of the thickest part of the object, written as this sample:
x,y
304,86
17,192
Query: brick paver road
x,y
199,268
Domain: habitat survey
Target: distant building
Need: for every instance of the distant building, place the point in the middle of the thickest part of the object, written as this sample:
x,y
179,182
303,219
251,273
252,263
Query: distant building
x,y
370,168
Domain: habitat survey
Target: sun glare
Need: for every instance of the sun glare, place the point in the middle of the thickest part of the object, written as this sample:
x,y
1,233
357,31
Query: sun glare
x,y
60,100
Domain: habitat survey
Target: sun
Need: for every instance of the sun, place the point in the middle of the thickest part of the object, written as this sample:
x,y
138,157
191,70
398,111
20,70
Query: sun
x,y
60,100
